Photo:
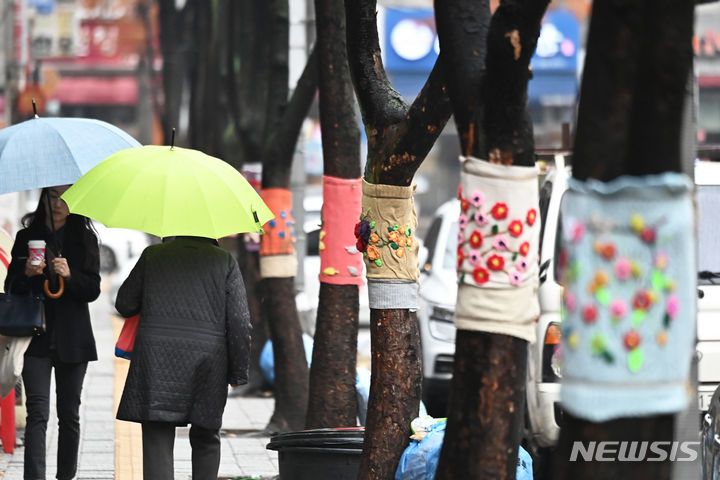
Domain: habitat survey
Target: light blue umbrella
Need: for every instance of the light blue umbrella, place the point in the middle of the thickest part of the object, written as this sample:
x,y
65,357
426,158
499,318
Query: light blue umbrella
x,y
43,152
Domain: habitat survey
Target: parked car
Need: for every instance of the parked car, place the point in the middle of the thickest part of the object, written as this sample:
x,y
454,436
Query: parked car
x,y
438,292
707,196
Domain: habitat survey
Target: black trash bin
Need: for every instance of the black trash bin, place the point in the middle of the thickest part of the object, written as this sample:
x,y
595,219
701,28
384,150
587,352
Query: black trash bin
x,y
320,454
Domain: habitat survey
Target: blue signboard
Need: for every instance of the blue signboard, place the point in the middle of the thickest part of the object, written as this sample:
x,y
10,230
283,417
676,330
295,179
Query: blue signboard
x,y
43,7
558,43
411,42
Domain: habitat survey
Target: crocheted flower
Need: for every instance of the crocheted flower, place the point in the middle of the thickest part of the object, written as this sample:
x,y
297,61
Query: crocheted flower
x,y
661,260
524,248
531,217
672,306
400,252
641,300
481,219
577,232
631,339
623,269
363,229
496,262
648,235
637,223
477,198
461,237
515,278
499,211
521,265
589,313
373,252
480,275
476,239
515,228
464,204
605,250
460,257
569,300
361,245
618,309
500,243
462,221
394,236
374,238
475,258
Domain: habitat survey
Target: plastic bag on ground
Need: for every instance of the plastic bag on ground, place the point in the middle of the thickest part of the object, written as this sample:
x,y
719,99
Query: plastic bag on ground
x,y
420,459
267,361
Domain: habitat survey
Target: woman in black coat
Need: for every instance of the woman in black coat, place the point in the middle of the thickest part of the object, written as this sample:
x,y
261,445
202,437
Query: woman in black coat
x,y
193,340
68,344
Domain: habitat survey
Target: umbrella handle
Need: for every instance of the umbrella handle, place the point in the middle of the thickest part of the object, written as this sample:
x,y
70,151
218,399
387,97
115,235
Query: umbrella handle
x,y
60,291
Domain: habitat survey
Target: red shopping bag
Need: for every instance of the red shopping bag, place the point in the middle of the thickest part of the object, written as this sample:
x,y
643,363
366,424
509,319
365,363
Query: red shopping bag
x,y
126,340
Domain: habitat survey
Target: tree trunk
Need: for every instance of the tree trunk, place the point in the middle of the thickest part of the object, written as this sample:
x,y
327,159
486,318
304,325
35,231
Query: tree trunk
x,y
638,59
487,396
333,402
173,44
486,415
399,139
395,392
291,375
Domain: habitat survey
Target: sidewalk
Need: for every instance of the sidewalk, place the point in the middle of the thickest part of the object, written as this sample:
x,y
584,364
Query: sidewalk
x,y
111,449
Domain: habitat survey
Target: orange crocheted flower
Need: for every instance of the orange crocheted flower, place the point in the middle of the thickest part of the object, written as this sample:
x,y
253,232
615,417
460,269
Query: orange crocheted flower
x,y
372,252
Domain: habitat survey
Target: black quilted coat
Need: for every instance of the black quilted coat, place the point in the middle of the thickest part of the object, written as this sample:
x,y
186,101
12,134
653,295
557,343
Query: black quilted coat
x,y
193,337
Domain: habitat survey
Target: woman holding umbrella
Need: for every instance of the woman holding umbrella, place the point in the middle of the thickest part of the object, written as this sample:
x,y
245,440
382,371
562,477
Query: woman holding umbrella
x,y
68,344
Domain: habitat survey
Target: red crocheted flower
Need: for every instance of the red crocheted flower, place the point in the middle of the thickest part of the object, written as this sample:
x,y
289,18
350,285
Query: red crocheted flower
x,y
480,275
496,262
515,228
460,257
524,248
631,339
641,301
531,217
499,211
464,204
589,313
476,239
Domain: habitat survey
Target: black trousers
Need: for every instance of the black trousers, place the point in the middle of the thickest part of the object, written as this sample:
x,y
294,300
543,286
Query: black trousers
x,y
159,440
69,379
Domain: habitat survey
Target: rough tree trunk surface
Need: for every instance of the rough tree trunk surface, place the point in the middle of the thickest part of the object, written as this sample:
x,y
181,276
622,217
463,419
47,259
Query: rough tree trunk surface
x,y
333,402
292,375
629,122
395,390
647,429
491,368
486,409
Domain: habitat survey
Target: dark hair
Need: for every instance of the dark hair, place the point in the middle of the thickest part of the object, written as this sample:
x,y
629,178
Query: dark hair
x,y
36,220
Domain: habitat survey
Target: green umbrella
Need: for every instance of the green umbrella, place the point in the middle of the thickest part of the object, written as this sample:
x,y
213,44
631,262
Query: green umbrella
x,y
168,191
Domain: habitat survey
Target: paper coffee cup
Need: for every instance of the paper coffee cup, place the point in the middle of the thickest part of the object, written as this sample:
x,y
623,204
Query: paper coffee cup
x,y
36,250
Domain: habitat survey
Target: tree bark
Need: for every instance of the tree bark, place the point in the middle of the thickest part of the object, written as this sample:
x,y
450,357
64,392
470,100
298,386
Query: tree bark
x,y
291,374
487,393
639,56
399,139
173,39
332,399
395,392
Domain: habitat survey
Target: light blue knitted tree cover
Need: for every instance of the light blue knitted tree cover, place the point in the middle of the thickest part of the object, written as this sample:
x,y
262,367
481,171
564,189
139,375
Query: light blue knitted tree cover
x,y
628,262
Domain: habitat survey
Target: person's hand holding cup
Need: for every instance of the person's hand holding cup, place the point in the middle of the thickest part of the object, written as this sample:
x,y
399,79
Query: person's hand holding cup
x,y
36,258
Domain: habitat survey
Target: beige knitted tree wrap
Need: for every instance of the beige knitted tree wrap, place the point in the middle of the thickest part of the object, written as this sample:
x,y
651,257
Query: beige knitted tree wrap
x,y
497,249
386,232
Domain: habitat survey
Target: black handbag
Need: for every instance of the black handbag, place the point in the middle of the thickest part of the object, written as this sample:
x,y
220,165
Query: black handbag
x,y
21,314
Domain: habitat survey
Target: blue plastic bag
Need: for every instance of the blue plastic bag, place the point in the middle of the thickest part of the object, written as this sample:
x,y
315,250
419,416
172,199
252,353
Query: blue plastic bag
x,y
420,459
267,361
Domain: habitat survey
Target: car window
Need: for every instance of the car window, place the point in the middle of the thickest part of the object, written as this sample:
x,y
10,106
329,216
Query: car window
x,y
450,256
544,204
708,232
431,238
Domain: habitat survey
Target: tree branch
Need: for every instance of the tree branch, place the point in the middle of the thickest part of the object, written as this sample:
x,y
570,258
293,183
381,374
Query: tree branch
x,y
380,105
463,29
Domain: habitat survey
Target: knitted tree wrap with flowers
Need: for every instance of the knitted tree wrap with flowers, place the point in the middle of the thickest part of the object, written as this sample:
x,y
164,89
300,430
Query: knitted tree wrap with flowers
x,y
493,242
627,261
369,241
386,232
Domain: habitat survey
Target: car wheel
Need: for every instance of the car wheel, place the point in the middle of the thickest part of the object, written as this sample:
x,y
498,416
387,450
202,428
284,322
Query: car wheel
x,y
108,262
